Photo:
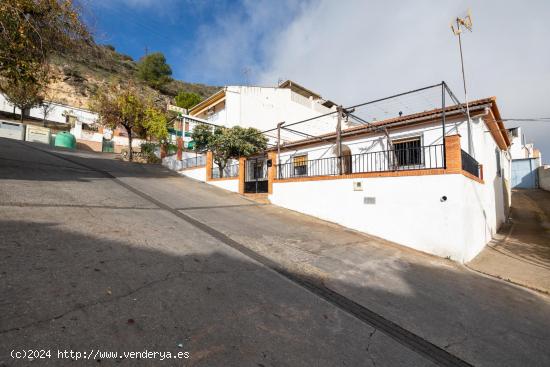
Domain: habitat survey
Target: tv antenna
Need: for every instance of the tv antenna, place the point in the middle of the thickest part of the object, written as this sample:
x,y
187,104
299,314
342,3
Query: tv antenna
x,y
461,24
246,73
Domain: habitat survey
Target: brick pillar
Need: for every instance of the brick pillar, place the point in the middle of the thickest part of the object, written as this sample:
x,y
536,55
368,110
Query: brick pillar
x,y
453,154
271,172
180,148
242,163
209,158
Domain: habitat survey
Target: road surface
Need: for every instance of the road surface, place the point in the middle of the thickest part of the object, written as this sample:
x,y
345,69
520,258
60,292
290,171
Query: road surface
x,y
104,256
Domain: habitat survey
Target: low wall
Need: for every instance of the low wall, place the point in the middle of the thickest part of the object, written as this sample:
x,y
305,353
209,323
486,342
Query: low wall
x,y
197,173
95,146
231,184
544,177
444,215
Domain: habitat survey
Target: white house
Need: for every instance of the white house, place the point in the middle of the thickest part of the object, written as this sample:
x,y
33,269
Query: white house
x,y
525,161
82,123
408,179
264,107
427,192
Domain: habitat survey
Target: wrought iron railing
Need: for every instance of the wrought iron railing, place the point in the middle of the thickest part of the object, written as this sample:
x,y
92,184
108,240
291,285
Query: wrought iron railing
x,y
469,164
231,170
423,157
197,161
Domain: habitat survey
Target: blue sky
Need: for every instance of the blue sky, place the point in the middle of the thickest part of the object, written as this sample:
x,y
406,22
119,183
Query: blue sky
x,y
349,51
187,31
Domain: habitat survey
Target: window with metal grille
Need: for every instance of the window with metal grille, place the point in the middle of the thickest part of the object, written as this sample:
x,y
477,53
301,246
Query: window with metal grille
x,y
408,152
300,165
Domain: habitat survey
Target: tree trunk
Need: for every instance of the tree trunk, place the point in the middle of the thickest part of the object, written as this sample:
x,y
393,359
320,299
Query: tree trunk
x,y
221,167
21,115
130,152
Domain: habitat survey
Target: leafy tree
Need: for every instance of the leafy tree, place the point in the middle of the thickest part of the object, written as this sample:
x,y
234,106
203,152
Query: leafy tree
x,y
155,123
126,108
226,143
154,70
23,94
187,99
31,30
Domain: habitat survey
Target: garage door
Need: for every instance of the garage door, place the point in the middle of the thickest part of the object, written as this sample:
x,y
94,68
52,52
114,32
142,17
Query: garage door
x,y
12,130
524,173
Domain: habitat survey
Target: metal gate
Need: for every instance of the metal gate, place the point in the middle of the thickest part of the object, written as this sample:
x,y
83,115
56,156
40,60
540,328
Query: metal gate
x,y
524,173
255,175
108,146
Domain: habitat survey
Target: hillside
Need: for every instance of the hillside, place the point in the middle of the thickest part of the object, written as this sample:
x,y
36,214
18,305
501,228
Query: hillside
x,y
78,77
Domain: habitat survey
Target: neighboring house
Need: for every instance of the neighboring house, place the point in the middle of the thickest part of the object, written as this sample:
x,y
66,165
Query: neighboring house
x,y
525,161
264,107
80,122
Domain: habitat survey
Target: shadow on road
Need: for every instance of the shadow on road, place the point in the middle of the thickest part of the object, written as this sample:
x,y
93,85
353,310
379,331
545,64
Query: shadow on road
x,y
65,289
62,289
40,162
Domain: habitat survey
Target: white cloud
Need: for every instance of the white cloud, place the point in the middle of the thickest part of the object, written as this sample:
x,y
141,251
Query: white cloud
x,y
238,39
358,50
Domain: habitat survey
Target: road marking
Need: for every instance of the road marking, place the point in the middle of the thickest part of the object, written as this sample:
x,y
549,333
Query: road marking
x,y
406,338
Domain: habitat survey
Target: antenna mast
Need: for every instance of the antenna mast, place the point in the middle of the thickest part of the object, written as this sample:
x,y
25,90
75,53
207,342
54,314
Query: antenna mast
x,y
462,23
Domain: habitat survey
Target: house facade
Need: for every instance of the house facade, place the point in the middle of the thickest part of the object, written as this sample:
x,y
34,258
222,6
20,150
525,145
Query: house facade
x,y
426,192
526,159
264,107
82,123
414,180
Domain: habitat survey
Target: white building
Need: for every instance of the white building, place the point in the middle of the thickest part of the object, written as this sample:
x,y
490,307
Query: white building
x,y
525,161
265,107
80,122
427,193
53,113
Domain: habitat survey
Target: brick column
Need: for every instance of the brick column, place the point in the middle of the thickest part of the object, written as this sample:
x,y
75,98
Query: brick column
x,y
180,148
242,162
271,171
209,158
453,154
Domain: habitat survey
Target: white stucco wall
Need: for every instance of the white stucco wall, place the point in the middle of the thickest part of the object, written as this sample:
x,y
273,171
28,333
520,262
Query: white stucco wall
x,y
407,210
264,107
195,173
56,113
230,185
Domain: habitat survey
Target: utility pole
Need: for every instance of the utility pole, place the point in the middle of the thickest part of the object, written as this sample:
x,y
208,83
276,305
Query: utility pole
x,y
466,23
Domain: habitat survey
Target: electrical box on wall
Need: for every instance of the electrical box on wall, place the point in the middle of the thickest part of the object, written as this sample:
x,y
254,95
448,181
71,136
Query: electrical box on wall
x,y
357,186
369,200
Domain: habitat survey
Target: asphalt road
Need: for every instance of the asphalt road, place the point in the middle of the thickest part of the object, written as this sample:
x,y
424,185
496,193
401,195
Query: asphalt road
x,y
102,255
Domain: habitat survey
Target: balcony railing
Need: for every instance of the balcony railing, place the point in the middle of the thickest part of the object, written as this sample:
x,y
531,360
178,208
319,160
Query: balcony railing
x,y
193,162
469,164
231,170
423,157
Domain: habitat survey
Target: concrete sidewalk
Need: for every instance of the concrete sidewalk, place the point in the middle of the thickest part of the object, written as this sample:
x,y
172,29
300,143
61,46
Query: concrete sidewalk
x,y
521,251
